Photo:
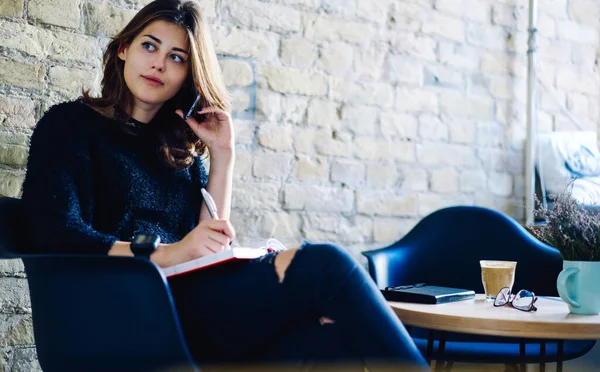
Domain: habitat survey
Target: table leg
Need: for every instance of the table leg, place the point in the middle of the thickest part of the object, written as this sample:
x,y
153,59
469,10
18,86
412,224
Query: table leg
x,y
439,361
522,367
542,355
561,348
429,352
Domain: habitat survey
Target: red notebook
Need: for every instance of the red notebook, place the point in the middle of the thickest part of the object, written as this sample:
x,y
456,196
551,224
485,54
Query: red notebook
x,y
237,253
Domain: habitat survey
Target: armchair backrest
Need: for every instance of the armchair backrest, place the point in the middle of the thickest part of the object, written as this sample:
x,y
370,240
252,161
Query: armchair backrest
x,y
446,246
96,313
103,313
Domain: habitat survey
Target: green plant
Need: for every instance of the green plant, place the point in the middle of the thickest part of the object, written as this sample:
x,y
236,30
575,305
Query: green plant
x,y
570,228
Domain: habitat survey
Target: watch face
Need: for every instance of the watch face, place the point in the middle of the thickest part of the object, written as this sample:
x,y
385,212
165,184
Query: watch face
x,y
144,239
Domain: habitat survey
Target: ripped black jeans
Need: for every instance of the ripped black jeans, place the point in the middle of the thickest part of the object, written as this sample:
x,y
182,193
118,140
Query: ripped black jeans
x,y
240,312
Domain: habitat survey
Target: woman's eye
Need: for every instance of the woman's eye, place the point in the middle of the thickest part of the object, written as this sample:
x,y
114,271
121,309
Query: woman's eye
x,y
177,58
148,46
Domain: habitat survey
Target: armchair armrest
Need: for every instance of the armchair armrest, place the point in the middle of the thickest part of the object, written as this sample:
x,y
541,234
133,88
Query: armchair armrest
x,y
383,264
104,313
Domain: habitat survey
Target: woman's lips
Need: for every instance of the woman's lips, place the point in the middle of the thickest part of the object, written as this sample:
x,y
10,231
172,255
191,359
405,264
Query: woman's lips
x,y
152,81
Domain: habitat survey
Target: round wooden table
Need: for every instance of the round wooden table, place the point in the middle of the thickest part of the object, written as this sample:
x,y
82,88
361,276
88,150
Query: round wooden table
x,y
552,320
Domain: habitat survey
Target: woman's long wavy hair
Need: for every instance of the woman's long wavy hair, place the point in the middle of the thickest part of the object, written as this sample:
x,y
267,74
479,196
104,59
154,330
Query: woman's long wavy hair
x,y
178,143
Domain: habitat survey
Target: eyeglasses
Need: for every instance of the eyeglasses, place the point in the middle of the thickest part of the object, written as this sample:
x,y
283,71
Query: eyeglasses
x,y
524,300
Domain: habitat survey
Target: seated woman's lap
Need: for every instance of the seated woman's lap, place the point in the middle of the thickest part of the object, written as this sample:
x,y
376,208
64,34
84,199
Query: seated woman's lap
x,y
232,311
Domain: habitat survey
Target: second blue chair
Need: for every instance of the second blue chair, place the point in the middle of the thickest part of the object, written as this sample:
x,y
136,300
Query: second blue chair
x,y
445,249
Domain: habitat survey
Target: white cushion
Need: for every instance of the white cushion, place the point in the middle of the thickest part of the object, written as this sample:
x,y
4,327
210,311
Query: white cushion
x,y
565,156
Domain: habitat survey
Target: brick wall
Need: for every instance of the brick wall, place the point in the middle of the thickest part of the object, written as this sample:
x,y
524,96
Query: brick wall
x,y
354,118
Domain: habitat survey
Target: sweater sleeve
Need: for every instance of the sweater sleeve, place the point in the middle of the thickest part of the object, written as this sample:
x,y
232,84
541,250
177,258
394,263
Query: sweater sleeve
x,y
58,187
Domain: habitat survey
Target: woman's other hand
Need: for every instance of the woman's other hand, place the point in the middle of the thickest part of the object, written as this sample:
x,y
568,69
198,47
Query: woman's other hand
x,y
216,131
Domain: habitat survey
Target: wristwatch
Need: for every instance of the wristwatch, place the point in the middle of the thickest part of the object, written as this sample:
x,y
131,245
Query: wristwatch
x,y
143,245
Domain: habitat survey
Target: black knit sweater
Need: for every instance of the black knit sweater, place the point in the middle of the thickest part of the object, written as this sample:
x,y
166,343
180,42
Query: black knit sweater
x,y
90,183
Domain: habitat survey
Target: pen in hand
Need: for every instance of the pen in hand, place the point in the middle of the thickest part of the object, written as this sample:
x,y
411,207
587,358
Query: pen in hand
x,y
211,206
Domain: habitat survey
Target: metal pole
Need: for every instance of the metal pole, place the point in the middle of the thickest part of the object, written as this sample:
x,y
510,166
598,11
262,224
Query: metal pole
x,y
531,117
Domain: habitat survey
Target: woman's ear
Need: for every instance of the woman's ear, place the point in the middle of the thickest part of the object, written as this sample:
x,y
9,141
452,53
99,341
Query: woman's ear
x,y
122,54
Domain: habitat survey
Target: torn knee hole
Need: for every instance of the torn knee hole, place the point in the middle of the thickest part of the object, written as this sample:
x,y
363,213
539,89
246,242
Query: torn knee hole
x,y
282,261
325,320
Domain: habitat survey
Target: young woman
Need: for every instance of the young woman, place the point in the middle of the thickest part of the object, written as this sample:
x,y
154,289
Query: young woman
x,y
126,164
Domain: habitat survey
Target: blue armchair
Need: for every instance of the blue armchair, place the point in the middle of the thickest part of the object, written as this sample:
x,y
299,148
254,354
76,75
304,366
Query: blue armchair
x,y
445,248
96,313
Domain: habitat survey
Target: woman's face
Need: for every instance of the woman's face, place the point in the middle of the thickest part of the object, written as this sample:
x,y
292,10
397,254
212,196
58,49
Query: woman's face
x,y
156,63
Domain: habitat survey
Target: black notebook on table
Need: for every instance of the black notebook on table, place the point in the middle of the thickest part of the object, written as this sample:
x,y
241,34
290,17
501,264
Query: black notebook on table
x,y
426,294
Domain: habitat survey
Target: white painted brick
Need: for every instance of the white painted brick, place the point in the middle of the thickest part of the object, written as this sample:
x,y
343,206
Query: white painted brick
x,y
321,27
377,94
287,80
461,130
318,198
474,10
572,31
240,100
445,154
546,26
63,13
325,114
298,53
557,8
236,73
293,109
414,178
268,105
284,226
430,202
487,36
432,128
341,145
11,8
400,126
500,184
456,104
508,206
10,183
356,230
16,114
458,55
510,16
399,69
555,51
360,120
14,296
272,166
306,3
583,82
422,47
584,56
416,100
386,202
440,76
578,104
304,138
389,230
510,114
491,135
311,168
501,160
507,88
503,64
374,149
407,16
244,131
375,11
379,175
275,137
256,14
341,8
336,58
348,173
516,41
545,122
473,180
368,62
261,46
585,12
243,165
255,195
444,180
22,75
444,26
